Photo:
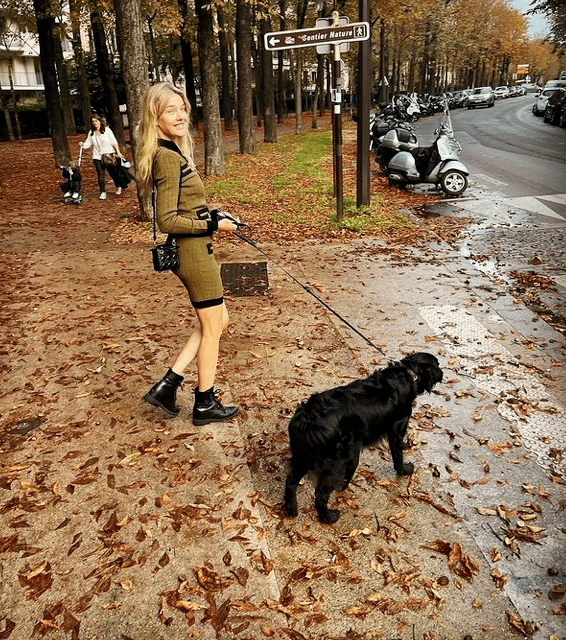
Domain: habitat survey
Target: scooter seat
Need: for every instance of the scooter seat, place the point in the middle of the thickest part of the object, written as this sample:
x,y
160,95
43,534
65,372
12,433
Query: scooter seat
x,y
403,135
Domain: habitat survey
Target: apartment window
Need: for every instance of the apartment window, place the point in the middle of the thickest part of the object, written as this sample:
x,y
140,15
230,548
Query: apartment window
x,y
37,69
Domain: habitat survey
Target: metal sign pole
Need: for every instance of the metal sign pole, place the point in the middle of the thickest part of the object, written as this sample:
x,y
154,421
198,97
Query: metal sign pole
x,y
337,142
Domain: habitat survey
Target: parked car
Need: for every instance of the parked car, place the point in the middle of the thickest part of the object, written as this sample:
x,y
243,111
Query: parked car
x,y
531,88
501,92
554,84
555,111
481,97
540,101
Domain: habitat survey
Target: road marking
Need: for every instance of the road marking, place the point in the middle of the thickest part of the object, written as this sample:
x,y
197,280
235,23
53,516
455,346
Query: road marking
x,y
559,198
534,204
489,179
494,369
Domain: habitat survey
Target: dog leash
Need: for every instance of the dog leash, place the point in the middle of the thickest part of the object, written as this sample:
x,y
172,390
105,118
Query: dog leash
x,y
254,244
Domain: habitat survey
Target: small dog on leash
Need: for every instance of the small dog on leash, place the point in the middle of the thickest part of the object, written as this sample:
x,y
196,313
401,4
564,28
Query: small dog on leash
x,y
329,430
71,188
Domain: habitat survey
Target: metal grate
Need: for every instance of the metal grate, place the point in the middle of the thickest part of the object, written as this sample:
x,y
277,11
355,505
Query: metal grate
x,y
245,278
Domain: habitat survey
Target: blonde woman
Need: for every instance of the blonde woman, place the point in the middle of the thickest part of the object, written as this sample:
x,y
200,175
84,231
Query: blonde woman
x,y
165,163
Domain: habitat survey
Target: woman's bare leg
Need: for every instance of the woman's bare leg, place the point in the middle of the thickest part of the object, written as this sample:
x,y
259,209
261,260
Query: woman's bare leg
x,y
193,347
212,322
189,352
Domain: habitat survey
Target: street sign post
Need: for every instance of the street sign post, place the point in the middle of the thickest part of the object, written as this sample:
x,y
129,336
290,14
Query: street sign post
x,y
327,22
329,36
354,32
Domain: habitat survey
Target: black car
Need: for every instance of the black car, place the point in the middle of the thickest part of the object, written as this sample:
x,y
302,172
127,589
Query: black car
x,y
555,110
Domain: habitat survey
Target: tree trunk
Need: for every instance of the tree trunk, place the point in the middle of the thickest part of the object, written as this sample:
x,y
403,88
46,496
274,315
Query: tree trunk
x,y
299,58
225,65
187,54
45,28
383,91
245,97
131,47
64,90
152,47
270,130
281,108
319,90
258,95
106,71
75,8
214,162
14,100
7,117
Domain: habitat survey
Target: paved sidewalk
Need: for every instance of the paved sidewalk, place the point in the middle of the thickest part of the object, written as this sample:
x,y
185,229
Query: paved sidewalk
x,y
117,523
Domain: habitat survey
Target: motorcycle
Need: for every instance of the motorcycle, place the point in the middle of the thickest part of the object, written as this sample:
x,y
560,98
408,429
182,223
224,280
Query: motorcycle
x,y
438,164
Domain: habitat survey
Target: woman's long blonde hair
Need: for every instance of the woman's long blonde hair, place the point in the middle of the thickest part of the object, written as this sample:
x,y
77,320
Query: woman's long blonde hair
x,y
154,103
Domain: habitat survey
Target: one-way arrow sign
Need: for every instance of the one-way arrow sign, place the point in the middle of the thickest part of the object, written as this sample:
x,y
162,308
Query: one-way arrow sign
x,y
277,40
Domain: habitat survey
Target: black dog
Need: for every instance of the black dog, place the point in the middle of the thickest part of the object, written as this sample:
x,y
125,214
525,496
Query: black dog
x,y
328,432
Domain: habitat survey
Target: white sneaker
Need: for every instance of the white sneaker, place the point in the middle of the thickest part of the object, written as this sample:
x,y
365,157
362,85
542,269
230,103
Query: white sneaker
x,y
102,196
67,195
118,191
75,196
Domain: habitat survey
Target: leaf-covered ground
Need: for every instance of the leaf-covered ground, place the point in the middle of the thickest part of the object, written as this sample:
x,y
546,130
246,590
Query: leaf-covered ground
x,y
116,523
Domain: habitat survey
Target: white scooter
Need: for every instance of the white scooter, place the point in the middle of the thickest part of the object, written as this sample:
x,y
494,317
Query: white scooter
x,y
438,164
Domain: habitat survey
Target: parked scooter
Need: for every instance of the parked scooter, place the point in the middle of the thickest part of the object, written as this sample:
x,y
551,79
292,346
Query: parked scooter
x,y
379,125
438,164
400,137
413,108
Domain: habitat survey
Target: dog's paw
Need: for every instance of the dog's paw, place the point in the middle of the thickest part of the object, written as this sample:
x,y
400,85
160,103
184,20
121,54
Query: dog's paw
x,y
407,469
330,517
291,510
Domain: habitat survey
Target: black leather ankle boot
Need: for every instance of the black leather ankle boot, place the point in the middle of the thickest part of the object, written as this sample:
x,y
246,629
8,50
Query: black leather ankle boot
x,y
164,393
208,408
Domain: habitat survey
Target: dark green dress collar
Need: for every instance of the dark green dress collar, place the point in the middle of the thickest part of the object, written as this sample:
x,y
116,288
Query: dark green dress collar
x,y
169,144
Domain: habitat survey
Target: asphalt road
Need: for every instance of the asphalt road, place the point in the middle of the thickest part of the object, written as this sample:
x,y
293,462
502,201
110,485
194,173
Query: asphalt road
x,y
516,201
512,153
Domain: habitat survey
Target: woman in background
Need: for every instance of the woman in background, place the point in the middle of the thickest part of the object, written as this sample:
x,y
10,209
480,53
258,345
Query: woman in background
x,y
102,141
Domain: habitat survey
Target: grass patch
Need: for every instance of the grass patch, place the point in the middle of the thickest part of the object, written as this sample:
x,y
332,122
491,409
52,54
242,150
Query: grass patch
x,y
226,187
370,219
285,192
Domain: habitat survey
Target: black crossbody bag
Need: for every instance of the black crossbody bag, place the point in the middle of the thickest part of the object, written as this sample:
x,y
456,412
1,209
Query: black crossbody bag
x,y
165,256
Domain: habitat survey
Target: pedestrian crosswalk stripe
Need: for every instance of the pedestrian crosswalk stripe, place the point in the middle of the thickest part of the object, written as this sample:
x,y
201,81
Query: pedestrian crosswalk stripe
x,y
535,204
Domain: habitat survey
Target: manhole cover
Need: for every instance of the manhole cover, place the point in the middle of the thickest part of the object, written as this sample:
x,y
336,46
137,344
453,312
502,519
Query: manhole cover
x,y
245,278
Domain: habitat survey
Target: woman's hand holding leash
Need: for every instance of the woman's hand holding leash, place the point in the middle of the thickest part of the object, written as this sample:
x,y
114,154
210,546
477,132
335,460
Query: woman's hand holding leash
x,y
226,222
